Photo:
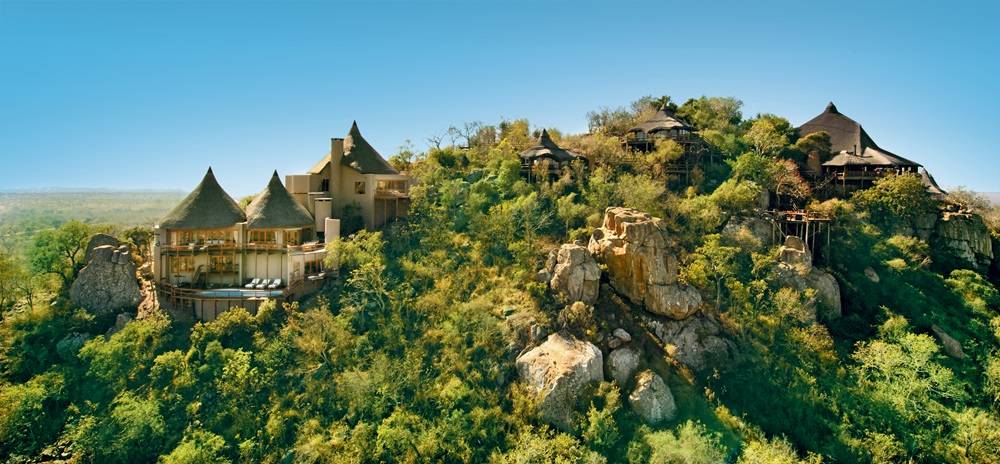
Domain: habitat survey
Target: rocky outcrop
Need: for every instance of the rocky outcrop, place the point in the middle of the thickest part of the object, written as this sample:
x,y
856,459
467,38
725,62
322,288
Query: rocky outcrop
x,y
108,281
557,371
573,274
98,240
697,342
760,229
641,264
966,238
796,271
622,363
651,399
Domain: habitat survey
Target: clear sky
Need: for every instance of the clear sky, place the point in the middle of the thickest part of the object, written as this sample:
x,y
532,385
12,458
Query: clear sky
x,y
149,94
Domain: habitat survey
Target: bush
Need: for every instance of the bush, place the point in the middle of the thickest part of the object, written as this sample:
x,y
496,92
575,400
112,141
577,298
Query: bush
x,y
31,413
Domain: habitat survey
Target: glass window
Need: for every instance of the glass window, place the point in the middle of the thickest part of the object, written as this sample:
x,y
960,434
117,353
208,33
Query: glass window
x,y
359,188
222,264
181,264
263,236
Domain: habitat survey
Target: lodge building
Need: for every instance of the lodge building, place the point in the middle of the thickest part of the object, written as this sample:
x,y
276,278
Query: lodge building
x,y
210,255
857,161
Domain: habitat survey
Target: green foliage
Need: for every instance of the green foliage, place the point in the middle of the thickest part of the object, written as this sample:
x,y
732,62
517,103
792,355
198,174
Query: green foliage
x,y
776,451
31,413
198,447
712,113
769,134
60,251
409,355
895,201
689,443
133,430
123,360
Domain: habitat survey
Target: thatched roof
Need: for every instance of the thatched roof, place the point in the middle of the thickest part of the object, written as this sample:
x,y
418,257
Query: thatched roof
x,y
359,155
320,165
548,149
274,208
664,119
208,206
930,183
854,147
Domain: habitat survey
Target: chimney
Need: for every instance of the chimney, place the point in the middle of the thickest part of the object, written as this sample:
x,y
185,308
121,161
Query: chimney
x,y
336,149
336,155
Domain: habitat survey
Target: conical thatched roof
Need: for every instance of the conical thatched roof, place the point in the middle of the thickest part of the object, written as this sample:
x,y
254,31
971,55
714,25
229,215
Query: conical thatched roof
x,y
548,148
274,208
930,183
664,119
853,145
208,206
359,155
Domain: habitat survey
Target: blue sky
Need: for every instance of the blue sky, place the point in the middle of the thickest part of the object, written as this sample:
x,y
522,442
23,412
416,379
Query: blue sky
x,y
149,94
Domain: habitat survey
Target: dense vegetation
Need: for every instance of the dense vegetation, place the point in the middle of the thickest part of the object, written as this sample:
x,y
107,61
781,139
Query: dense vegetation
x,y
409,357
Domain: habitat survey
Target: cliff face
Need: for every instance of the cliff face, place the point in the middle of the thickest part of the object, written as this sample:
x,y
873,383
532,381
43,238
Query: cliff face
x,y
641,263
966,239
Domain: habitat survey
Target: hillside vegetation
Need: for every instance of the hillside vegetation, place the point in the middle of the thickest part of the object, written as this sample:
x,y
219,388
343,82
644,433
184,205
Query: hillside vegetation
x,y
410,356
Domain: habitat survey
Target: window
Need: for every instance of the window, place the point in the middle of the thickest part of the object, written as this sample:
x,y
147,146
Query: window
x,y
203,237
314,267
293,237
222,264
263,236
359,188
324,185
181,264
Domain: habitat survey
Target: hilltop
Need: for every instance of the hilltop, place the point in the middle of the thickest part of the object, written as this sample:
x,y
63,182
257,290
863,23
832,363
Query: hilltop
x,y
682,283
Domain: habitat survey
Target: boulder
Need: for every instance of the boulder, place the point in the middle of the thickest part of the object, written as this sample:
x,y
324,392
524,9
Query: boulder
x,y
120,321
558,371
96,241
108,281
575,275
795,253
622,335
796,271
651,399
622,363
760,229
697,342
641,266
872,275
951,346
826,305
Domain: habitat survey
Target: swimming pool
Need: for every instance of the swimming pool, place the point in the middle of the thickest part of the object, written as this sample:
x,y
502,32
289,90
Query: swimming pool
x,y
240,293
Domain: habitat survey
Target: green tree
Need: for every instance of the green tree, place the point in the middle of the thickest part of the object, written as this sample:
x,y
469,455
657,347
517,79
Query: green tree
x,y
689,443
895,200
60,251
769,134
31,413
198,447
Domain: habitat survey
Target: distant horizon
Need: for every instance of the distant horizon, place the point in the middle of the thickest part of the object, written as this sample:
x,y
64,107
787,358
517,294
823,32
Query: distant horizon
x,y
148,95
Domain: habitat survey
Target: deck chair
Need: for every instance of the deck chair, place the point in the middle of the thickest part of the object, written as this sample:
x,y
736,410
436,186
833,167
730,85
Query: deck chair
x,y
263,284
253,283
275,284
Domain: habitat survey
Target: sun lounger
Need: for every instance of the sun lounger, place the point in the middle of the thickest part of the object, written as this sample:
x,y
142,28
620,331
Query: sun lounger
x,y
263,284
253,283
275,284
